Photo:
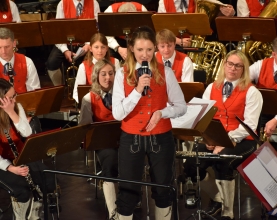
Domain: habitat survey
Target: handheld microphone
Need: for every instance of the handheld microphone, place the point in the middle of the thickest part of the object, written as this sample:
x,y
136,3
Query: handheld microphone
x,y
145,70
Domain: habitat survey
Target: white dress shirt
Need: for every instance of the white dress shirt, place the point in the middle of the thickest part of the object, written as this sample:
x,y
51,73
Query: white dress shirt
x,y
255,70
112,42
25,130
32,81
123,105
15,13
252,111
60,15
81,77
243,9
187,69
178,5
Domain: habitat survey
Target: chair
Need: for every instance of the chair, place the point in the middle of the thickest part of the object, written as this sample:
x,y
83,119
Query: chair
x,y
10,192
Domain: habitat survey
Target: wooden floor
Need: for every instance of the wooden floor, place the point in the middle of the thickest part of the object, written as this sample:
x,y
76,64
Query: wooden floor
x,y
78,197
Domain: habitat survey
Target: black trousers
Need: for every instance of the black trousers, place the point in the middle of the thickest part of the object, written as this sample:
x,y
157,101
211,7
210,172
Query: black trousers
x,y
223,168
160,151
108,159
18,185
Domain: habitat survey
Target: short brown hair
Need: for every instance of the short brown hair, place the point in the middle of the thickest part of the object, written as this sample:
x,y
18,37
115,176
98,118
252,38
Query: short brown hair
x,y
165,36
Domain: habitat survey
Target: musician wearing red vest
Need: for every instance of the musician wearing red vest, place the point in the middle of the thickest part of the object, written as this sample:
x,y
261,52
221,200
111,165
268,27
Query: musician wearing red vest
x,y
251,8
98,50
97,107
9,12
179,62
264,73
234,95
145,99
118,45
16,68
81,9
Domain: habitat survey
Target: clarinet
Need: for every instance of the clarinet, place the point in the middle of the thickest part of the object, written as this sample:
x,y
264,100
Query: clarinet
x,y
34,189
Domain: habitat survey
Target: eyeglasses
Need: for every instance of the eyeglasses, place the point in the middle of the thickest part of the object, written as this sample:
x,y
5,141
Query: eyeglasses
x,y
236,65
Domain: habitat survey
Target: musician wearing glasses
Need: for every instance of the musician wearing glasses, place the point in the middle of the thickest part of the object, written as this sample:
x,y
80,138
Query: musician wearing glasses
x,y
264,74
234,95
80,9
18,69
8,12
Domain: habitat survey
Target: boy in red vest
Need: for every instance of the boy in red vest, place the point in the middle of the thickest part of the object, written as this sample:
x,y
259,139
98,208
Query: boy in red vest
x,y
118,45
81,9
264,73
16,68
234,95
179,62
250,8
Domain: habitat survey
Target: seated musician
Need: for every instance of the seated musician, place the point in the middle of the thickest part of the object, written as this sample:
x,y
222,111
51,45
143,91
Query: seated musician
x,y
97,107
251,8
81,9
9,12
179,62
98,50
15,125
264,73
234,95
16,68
117,45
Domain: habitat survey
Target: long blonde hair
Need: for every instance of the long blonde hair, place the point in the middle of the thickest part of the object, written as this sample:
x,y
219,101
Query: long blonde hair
x,y
145,33
5,121
244,80
95,85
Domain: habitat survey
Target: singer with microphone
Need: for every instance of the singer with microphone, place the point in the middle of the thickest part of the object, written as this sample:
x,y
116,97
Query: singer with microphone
x,y
145,95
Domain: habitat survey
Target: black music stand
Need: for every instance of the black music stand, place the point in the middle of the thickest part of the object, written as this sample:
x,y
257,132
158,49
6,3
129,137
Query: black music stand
x,y
118,24
49,145
38,102
180,24
269,101
192,89
22,33
204,131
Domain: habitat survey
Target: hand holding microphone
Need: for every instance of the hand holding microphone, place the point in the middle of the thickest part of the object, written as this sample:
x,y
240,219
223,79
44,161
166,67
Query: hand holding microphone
x,y
144,74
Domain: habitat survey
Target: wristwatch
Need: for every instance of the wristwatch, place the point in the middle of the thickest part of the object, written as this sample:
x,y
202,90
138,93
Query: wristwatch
x,y
116,48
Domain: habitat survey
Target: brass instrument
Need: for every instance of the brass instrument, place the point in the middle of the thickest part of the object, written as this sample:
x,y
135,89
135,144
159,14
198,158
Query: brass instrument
x,y
71,73
211,59
34,188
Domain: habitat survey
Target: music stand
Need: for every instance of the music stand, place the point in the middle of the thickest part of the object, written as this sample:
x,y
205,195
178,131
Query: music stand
x,y
22,33
118,24
192,89
41,101
269,101
82,91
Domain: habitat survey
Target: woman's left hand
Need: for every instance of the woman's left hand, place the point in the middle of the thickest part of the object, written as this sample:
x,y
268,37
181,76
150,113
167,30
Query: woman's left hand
x,y
154,120
218,149
7,104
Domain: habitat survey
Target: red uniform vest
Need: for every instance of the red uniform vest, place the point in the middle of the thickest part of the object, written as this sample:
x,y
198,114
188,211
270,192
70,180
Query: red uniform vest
x,y
255,7
70,9
6,17
177,65
137,120
5,149
170,6
20,69
89,69
234,105
116,6
266,78
100,112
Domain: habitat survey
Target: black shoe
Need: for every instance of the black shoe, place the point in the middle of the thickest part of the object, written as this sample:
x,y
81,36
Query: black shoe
x,y
213,209
226,218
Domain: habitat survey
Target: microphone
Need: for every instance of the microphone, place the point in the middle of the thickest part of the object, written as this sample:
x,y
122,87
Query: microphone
x,y
145,70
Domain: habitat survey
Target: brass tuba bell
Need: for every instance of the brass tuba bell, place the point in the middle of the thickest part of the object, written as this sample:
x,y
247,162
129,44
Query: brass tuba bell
x,y
71,73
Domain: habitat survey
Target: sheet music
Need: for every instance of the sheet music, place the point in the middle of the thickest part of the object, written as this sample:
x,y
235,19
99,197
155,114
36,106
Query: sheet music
x,y
262,180
203,101
80,52
269,161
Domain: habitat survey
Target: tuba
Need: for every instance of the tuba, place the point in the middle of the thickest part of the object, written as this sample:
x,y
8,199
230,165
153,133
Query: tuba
x,y
212,58
71,73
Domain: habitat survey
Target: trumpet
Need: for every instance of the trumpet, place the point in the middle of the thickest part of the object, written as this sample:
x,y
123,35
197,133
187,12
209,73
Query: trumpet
x,y
71,73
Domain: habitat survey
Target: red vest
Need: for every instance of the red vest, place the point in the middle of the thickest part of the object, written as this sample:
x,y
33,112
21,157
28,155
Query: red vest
x,y
100,112
20,69
6,17
137,120
266,78
234,105
116,6
70,9
89,69
177,65
170,6
255,7
5,149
